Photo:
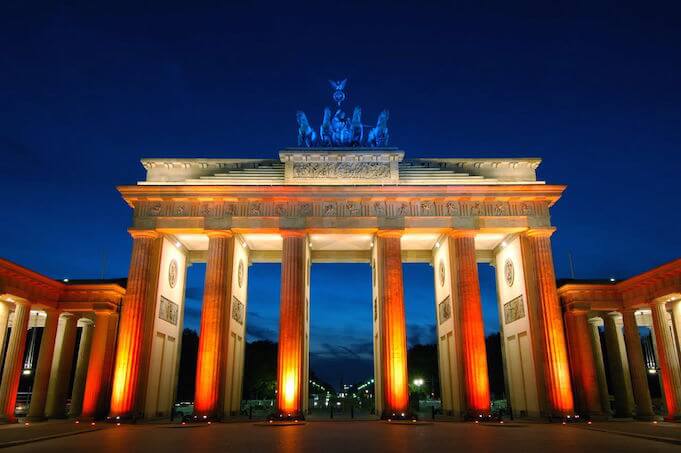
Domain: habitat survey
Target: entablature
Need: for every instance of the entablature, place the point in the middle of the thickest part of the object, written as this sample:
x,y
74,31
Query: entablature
x,y
660,284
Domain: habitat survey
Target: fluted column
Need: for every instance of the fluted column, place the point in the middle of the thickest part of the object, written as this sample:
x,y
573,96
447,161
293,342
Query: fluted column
x,y
4,319
637,368
81,368
676,322
60,376
543,300
99,374
603,392
14,360
466,288
393,328
290,363
582,362
36,410
134,336
624,401
213,331
668,360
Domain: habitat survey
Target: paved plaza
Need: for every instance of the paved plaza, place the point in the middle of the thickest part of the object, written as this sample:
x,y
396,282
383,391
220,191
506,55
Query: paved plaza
x,y
346,436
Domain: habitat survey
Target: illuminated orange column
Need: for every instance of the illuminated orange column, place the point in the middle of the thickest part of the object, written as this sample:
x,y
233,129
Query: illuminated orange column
x,y
582,361
291,360
99,374
14,361
668,360
134,335
393,323
466,287
217,290
549,332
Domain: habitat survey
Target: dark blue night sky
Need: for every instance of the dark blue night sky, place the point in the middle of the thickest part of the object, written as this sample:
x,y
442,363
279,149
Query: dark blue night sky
x,y
87,90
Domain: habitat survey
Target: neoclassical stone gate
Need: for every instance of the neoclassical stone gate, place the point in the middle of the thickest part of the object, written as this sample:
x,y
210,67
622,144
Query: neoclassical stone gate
x,y
342,205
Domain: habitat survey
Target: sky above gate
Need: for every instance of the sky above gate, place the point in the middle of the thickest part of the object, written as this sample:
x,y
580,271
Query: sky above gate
x,y
87,90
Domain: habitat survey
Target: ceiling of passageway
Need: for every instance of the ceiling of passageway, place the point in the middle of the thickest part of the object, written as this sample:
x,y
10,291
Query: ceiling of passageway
x,y
330,242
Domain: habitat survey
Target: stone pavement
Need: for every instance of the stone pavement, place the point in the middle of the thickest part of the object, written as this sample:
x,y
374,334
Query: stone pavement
x,y
20,433
332,437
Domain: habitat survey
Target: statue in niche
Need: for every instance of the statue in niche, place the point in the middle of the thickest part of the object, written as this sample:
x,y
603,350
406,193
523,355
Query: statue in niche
x,y
339,130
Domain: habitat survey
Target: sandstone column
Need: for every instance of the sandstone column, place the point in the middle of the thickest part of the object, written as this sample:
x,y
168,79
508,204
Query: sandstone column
x,y
600,365
637,369
676,322
395,386
548,323
213,331
624,400
582,362
466,289
81,368
4,319
100,367
62,360
290,372
36,410
14,361
668,360
134,336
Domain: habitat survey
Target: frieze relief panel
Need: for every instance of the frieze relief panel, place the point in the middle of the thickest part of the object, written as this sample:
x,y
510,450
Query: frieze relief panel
x,y
341,170
342,208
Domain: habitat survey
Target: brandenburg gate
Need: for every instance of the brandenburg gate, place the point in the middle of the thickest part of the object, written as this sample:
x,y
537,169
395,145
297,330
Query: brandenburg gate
x,y
341,205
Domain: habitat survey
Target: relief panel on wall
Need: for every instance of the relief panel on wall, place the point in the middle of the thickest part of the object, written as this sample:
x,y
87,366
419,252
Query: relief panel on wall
x,y
168,311
237,310
514,310
444,310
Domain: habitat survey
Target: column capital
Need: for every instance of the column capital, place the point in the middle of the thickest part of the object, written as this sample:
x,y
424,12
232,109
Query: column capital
x,y
462,233
613,314
292,233
658,302
578,309
389,233
219,233
540,232
138,234
20,301
596,320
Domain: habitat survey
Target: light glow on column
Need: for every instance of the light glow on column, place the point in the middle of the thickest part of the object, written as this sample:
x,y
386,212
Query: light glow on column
x,y
291,361
394,330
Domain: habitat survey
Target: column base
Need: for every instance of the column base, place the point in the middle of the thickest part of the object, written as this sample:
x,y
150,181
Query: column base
x,y
395,415
645,418
482,417
8,420
286,416
36,418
